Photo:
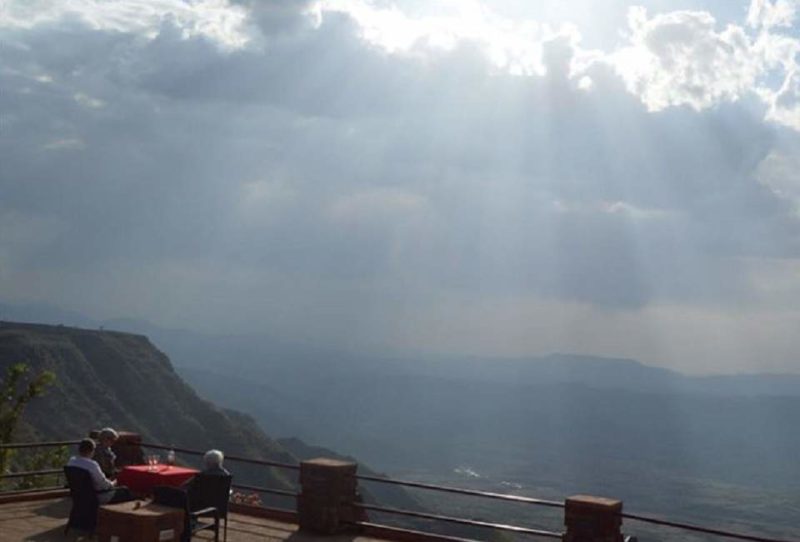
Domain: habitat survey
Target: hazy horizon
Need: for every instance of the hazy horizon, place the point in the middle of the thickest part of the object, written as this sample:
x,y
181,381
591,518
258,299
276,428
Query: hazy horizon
x,y
498,178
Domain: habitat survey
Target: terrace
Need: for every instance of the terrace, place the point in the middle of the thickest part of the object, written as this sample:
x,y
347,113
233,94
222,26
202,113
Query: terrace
x,y
43,520
328,506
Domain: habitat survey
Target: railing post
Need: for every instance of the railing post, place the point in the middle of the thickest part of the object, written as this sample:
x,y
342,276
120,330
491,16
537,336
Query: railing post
x,y
328,493
593,519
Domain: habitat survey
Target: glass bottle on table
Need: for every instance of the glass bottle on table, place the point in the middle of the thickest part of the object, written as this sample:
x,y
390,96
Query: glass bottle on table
x,y
170,458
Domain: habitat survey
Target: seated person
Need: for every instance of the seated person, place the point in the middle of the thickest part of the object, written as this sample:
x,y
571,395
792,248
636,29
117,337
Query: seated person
x,y
212,461
107,490
104,455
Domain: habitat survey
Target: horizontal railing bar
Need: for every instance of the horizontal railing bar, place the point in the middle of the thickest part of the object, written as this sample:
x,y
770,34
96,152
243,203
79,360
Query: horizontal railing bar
x,y
11,446
263,462
31,473
695,528
266,490
471,522
227,457
4,493
460,491
174,449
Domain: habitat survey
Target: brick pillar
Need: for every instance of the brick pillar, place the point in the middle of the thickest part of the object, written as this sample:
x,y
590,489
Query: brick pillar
x,y
328,491
593,519
128,448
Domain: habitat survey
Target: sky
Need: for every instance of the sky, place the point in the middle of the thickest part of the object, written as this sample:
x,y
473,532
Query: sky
x,y
505,178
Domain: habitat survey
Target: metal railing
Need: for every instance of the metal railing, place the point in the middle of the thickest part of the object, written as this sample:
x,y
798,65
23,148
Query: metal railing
x,y
395,511
50,444
238,459
687,527
462,521
58,473
462,491
722,533
542,533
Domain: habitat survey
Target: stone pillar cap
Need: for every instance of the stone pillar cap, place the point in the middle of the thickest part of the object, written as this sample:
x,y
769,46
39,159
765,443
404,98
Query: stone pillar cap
x,y
327,462
590,501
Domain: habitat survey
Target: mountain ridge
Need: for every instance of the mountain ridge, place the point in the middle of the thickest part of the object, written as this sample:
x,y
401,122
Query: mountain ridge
x,y
181,345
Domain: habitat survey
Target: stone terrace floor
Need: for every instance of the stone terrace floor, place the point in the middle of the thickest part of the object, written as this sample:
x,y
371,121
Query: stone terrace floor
x,y
44,521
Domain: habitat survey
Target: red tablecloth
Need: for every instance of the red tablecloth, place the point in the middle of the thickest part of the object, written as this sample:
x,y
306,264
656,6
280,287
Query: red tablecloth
x,y
140,480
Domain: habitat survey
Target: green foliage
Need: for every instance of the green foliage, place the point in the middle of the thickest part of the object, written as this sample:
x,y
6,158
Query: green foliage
x,y
17,389
46,459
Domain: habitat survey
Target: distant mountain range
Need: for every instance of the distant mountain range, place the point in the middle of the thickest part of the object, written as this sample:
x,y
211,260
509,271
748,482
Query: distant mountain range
x,y
209,352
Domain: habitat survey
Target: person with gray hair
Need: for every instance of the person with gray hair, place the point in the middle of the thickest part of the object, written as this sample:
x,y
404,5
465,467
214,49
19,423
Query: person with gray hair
x,y
103,454
213,463
211,487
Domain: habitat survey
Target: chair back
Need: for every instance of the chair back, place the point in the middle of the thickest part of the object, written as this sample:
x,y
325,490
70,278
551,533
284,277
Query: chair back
x,y
211,489
84,498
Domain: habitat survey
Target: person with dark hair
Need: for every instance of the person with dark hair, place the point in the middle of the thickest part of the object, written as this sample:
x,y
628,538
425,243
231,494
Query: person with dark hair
x,y
107,490
104,455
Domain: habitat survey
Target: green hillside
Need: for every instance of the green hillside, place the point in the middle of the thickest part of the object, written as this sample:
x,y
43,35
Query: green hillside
x,y
121,380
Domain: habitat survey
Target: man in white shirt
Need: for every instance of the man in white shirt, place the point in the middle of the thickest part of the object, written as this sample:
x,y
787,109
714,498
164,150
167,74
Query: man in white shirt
x,y
107,490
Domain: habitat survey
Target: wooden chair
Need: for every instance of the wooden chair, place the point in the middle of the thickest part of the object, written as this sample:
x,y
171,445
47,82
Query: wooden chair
x,y
179,498
83,514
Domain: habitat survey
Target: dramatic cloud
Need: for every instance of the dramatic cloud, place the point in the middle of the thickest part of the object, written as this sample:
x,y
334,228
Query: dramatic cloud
x,y
216,20
679,58
408,175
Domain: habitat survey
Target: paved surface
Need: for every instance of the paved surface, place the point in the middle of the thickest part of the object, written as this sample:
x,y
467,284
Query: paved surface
x,y
44,521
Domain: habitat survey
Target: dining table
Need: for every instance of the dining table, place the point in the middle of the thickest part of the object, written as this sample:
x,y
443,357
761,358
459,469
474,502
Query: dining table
x,y
141,479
